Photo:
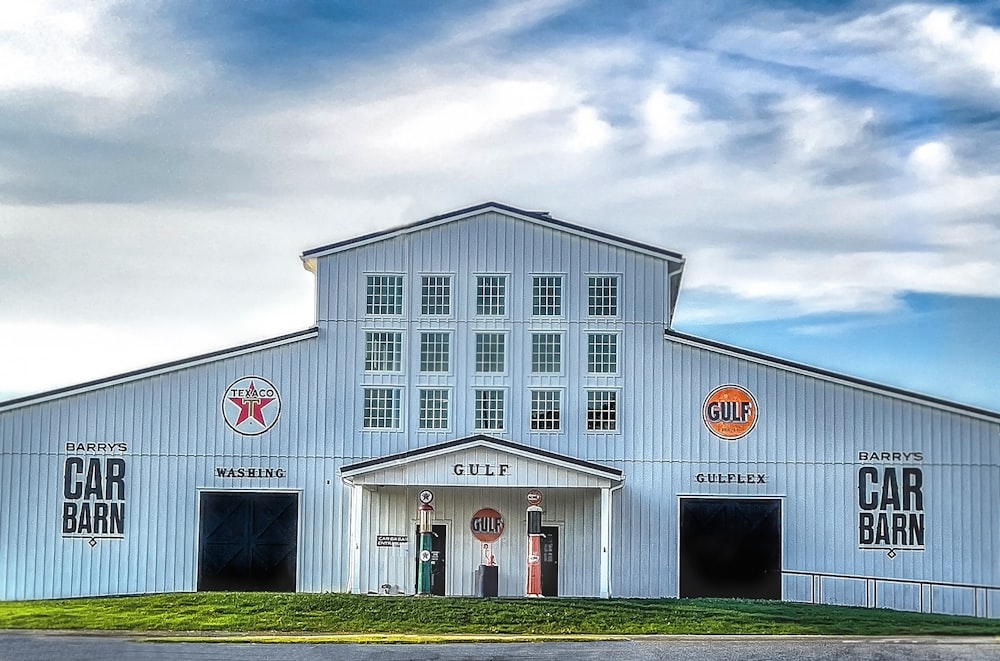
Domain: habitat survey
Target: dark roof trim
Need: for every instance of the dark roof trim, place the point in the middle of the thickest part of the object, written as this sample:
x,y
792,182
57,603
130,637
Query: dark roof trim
x,y
517,447
163,367
534,215
671,334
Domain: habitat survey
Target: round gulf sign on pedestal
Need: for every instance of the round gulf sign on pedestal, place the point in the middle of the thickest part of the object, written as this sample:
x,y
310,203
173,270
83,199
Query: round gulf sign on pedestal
x,y
486,525
730,412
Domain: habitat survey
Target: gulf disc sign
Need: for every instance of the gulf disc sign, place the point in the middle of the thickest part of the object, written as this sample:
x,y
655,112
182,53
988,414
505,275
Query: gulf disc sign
x,y
730,412
486,525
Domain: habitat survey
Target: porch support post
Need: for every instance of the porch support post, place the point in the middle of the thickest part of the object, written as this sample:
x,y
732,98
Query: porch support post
x,y
353,576
606,542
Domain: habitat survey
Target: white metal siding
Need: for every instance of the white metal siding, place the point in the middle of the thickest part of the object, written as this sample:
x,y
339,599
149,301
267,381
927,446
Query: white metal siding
x,y
807,439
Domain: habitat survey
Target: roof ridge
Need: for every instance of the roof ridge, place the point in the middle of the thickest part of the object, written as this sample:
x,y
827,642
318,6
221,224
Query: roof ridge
x,y
543,217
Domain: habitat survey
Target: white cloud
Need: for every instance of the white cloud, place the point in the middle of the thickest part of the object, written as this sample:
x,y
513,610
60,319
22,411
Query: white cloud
x,y
818,125
674,123
589,131
931,160
82,51
810,283
952,45
505,18
914,47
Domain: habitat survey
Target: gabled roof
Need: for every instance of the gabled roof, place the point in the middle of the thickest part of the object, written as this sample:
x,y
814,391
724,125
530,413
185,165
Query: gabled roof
x,y
541,218
455,448
827,375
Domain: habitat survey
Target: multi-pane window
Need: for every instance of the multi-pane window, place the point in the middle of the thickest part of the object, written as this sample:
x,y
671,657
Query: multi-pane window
x,y
434,352
602,353
433,408
381,408
491,295
489,409
383,351
435,294
384,295
602,410
545,408
546,352
490,352
602,295
546,295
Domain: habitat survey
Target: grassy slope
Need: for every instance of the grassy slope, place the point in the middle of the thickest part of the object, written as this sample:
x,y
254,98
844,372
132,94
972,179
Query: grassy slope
x,y
339,613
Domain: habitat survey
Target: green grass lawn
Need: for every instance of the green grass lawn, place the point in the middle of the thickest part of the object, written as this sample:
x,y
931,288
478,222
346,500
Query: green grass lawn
x,y
354,614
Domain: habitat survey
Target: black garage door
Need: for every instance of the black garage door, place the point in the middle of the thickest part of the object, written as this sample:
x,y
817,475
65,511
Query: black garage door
x,y
248,541
730,548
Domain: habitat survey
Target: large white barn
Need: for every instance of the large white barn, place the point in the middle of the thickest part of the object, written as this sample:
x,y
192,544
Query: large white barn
x,y
479,355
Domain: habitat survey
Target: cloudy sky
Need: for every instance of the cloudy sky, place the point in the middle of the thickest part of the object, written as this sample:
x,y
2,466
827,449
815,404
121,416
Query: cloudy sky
x,y
831,170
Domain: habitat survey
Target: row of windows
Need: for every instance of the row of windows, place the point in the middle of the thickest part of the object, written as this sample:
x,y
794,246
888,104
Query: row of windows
x,y
382,409
384,295
384,352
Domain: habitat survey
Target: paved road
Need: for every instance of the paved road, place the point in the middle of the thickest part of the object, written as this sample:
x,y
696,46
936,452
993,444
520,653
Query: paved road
x,y
18,646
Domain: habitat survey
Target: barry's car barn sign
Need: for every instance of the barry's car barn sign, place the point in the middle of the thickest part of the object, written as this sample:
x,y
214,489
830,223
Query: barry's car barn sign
x,y
93,491
891,501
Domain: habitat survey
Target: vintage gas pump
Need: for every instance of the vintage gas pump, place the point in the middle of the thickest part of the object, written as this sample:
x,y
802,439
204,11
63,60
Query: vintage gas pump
x,y
534,588
425,526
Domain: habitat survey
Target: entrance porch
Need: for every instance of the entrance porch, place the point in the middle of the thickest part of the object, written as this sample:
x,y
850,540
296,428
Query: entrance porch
x,y
465,476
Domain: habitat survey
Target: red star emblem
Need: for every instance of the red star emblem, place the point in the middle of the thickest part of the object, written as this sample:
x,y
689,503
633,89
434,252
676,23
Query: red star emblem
x,y
251,405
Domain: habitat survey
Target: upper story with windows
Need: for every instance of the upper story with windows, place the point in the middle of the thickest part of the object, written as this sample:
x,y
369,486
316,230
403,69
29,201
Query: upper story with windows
x,y
491,319
494,263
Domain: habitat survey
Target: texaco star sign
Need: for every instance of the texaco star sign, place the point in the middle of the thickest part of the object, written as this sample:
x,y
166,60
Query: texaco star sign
x,y
250,406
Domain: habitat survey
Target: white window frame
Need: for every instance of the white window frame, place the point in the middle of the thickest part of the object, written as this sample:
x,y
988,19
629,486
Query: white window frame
x,y
561,277
399,356
506,295
420,351
617,408
448,399
562,353
504,400
401,304
618,352
617,295
450,302
475,352
396,411
560,392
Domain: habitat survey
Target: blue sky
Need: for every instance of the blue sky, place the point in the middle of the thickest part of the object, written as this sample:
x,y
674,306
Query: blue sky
x,y
830,170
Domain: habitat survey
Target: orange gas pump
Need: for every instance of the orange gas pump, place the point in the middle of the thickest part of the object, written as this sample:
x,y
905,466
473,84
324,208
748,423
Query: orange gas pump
x,y
534,587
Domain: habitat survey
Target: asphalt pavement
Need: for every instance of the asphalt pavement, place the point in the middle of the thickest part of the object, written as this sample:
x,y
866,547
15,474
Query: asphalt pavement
x,y
49,646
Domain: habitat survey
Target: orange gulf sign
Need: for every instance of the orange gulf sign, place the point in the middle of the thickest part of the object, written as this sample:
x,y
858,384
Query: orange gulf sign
x,y
486,525
730,412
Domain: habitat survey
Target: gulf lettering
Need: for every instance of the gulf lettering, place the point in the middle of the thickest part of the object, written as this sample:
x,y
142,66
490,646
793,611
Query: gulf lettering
x,y
728,411
481,470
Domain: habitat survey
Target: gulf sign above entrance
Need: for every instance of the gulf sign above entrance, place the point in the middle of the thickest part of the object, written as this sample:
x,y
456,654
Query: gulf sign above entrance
x,y
730,412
